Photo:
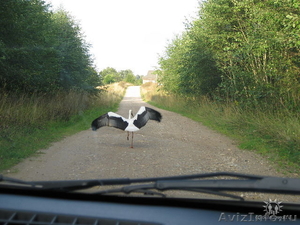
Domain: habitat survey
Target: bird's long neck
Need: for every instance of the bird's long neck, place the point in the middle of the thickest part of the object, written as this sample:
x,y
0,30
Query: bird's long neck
x,y
130,114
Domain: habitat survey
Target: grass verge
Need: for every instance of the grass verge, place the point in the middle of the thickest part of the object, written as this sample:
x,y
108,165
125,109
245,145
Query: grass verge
x,y
30,122
275,135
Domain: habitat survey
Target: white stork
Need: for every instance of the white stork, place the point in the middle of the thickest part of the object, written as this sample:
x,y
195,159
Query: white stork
x,y
134,124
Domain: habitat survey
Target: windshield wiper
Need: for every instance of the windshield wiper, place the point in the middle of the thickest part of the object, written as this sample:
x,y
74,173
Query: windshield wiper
x,y
197,183
215,186
70,185
64,185
13,180
145,188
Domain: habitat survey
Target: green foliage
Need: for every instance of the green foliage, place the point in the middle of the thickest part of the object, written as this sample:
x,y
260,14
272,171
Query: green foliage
x,y
257,48
247,52
128,76
188,67
41,50
111,75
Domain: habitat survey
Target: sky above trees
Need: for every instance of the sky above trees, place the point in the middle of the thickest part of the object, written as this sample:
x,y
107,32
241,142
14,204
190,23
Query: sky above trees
x,y
129,34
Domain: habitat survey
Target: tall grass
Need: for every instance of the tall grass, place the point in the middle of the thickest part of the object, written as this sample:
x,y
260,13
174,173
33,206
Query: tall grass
x,y
276,135
30,122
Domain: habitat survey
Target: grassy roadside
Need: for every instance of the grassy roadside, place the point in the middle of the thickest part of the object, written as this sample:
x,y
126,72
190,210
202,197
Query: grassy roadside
x,y
274,135
30,123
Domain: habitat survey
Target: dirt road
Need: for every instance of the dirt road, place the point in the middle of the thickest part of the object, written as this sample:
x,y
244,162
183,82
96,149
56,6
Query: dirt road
x,y
175,146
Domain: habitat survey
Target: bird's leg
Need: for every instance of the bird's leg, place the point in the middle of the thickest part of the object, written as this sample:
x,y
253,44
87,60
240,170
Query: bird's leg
x,y
127,135
131,141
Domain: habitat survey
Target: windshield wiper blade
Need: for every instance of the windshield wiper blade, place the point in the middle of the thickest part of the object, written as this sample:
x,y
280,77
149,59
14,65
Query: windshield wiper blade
x,y
83,184
72,185
195,182
265,184
125,190
64,185
145,190
14,180
216,186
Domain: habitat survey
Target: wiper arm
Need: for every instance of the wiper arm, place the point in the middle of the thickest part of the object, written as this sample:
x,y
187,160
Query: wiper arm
x,y
13,180
145,190
216,186
83,184
196,182
71,185
265,184
134,188
65,185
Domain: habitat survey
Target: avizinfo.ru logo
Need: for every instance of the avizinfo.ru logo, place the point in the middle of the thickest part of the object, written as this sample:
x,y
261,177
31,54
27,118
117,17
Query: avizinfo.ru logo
x,y
273,212
272,208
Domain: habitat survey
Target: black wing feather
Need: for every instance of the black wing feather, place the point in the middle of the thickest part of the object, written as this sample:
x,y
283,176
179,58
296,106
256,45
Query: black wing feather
x,y
153,114
148,114
111,121
117,122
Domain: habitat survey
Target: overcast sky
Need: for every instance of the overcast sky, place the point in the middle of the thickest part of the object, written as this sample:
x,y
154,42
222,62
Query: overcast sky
x,y
129,34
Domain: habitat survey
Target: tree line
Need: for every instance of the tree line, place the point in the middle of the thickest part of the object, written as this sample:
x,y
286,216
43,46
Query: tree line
x,y
242,51
110,75
42,50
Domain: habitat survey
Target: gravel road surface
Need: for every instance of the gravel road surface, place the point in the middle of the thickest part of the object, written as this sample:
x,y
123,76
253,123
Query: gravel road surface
x,y
175,146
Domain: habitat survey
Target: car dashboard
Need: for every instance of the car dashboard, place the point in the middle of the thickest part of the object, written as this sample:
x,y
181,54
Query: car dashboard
x,y
41,207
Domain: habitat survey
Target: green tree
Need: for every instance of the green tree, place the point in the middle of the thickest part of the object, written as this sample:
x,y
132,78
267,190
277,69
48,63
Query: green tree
x,y
246,51
73,58
256,45
139,79
108,79
110,75
128,76
170,63
41,50
188,67
23,27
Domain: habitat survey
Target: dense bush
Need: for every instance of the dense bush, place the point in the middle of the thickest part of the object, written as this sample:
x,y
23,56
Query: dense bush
x,y
246,52
42,50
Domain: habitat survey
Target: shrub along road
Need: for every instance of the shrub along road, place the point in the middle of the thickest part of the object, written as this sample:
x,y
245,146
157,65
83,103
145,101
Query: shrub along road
x,y
175,146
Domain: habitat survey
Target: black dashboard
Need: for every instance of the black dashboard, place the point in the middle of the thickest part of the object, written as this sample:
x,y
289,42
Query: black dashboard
x,y
41,207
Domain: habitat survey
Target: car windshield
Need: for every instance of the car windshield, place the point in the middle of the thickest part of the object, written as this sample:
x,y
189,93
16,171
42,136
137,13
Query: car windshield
x,y
97,90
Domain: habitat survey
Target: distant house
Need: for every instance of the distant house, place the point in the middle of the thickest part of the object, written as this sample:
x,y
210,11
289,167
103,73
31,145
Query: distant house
x,y
150,77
